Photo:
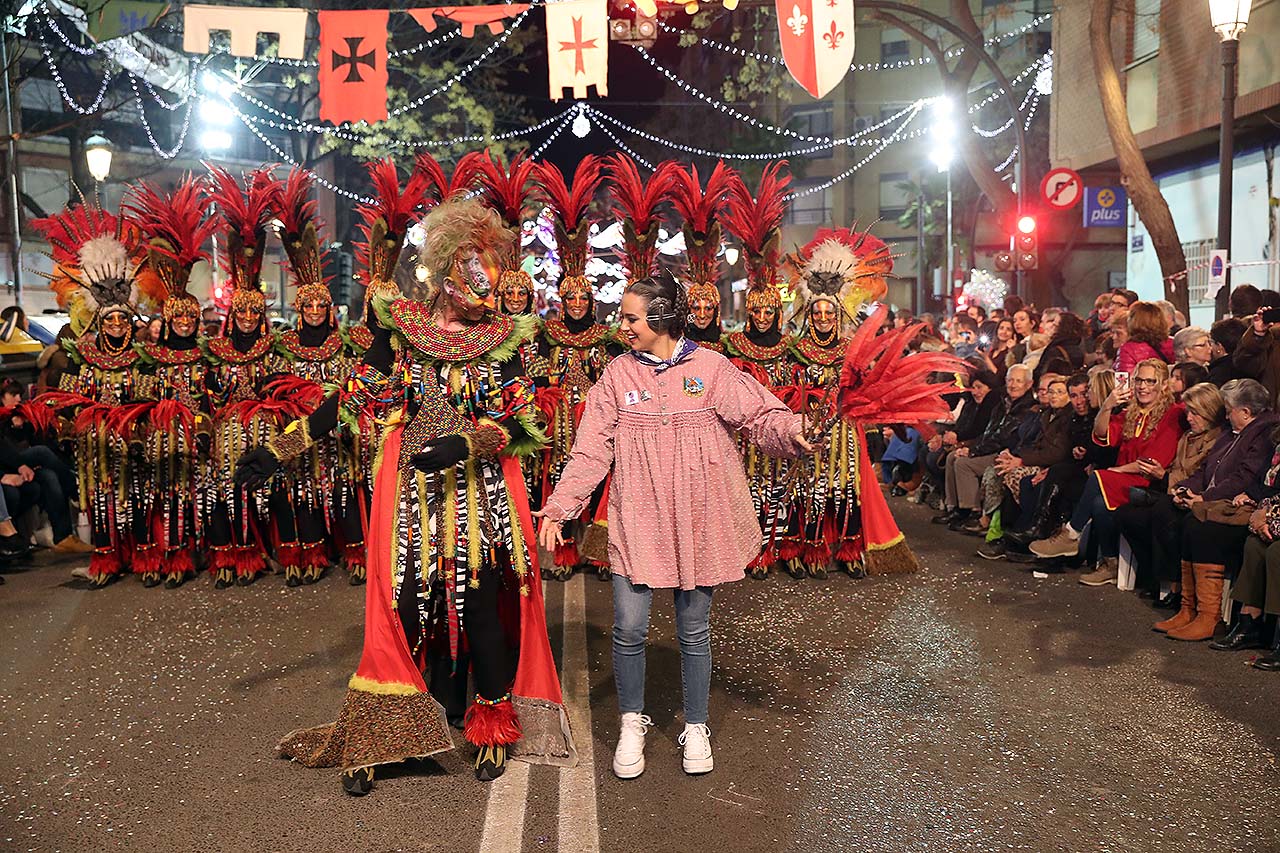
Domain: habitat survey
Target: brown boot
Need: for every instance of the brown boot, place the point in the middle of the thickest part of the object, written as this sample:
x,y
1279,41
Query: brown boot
x,y
72,545
1208,604
1188,611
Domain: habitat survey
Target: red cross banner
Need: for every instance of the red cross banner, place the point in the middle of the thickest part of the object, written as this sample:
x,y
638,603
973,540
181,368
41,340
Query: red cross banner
x,y
817,41
353,66
468,17
578,47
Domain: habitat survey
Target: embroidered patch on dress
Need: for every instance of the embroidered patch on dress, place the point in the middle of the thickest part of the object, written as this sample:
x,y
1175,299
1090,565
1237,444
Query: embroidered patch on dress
x,y
632,397
645,395
693,386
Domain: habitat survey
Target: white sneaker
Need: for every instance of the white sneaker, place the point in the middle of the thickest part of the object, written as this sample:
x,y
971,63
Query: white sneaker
x,y
696,740
628,758
81,572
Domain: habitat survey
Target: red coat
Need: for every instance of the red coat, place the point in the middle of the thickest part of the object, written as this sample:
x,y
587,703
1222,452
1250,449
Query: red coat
x,y
1160,445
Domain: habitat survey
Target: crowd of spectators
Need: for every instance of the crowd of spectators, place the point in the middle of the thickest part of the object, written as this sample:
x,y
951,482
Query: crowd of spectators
x,y
1127,445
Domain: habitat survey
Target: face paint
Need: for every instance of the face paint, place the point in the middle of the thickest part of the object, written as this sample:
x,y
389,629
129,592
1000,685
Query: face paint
x,y
704,313
823,316
516,300
470,285
315,312
762,317
576,305
116,324
183,326
247,319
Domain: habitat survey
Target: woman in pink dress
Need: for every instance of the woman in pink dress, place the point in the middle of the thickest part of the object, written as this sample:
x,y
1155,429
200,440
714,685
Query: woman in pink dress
x,y
664,417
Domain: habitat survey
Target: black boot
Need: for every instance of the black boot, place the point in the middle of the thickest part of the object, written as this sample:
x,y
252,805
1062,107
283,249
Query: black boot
x,y
949,515
358,782
1044,523
1270,662
491,762
1245,634
1172,601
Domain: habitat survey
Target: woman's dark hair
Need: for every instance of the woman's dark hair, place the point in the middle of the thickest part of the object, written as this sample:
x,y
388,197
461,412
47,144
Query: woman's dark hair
x,y
986,377
1192,373
12,386
1070,329
665,301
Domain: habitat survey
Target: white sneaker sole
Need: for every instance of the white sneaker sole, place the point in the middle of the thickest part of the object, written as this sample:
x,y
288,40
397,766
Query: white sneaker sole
x,y
628,771
698,766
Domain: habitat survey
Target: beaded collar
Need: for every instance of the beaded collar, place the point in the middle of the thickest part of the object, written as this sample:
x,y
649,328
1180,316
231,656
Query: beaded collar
x,y
291,342
814,353
714,346
224,350
106,361
742,345
165,355
361,337
560,334
413,320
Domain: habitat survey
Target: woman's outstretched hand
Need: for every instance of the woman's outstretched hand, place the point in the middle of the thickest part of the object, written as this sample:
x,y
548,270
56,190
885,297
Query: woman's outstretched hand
x,y
549,532
804,443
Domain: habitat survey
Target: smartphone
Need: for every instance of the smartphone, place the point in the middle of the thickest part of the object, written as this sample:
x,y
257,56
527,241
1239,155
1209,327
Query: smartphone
x,y
1271,315
1122,379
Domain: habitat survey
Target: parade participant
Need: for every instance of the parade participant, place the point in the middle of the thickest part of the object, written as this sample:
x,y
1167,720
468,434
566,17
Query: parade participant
x,y
576,348
453,580
322,487
700,210
761,349
178,426
97,279
239,523
665,418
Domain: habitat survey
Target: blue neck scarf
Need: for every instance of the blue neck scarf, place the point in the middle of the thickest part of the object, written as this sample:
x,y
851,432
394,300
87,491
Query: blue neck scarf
x,y
684,349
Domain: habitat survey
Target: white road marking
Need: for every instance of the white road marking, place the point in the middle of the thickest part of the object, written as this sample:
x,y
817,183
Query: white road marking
x,y
579,829
504,815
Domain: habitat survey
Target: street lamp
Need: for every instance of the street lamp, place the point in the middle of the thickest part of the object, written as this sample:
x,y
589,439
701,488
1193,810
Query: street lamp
x,y
943,135
97,156
1229,18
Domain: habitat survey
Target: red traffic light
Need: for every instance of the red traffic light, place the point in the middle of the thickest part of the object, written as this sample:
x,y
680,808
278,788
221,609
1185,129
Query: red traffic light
x,y
1027,224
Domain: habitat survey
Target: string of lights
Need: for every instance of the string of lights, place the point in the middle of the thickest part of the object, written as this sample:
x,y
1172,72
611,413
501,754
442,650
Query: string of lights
x,y
286,158
992,134
546,143
866,66
886,142
622,146
164,153
107,77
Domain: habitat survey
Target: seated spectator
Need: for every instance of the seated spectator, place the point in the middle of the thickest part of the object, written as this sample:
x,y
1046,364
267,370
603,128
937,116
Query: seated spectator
x,y
1025,321
1219,496
976,408
17,495
1047,498
903,318
1170,315
1193,344
966,463
1064,353
1152,522
1004,340
1184,375
1122,297
965,340
1225,336
898,462
1148,337
1036,342
1003,481
1146,432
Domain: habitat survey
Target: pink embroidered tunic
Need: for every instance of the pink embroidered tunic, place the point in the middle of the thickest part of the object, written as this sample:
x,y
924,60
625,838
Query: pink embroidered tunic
x,y
680,512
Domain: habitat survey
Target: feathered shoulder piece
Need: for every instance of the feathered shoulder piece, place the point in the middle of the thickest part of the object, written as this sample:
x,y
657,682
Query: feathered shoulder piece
x,y
385,223
96,256
245,209
757,221
635,203
844,264
700,208
569,203
175,229
301,236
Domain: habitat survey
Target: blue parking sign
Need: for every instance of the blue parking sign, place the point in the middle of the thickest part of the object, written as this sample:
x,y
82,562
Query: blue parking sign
x,y
1104,207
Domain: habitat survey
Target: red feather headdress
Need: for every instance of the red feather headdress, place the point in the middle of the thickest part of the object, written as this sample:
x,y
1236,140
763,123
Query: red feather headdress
x,y
386,222
569,205
757,222
300,235
700,207
245,212
635,203
176,229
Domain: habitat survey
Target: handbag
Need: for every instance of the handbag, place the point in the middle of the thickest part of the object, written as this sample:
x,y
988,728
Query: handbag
x,y
1142,496
1222,512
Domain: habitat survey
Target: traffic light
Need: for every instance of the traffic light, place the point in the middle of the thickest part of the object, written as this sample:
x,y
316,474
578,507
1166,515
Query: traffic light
x,y
1026,244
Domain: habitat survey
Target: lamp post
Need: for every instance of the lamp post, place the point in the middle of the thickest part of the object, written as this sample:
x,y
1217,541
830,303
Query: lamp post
x,y
1229,18
97,156
943,135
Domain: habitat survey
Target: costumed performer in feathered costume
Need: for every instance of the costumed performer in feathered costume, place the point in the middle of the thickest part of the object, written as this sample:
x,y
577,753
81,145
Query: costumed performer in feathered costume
x,y
761,350
98,278
452,553
178,427
701,210
842,513
576,348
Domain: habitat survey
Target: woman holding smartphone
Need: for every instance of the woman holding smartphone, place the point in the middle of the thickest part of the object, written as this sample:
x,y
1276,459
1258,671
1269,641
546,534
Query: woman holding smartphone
x,y
664,418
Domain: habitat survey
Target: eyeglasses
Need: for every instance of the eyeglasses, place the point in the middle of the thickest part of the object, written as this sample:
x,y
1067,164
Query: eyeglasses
x,y
1200,344
1147,382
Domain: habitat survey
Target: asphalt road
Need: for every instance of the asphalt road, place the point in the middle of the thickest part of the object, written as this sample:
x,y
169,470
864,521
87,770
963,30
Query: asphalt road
x,y
970,707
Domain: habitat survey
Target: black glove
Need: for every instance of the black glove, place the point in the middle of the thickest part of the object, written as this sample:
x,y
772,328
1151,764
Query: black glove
x,y
203,443
379,355
441,453
255,468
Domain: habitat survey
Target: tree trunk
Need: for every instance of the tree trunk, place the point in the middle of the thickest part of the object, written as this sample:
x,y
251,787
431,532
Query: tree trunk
x,y
1152,209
